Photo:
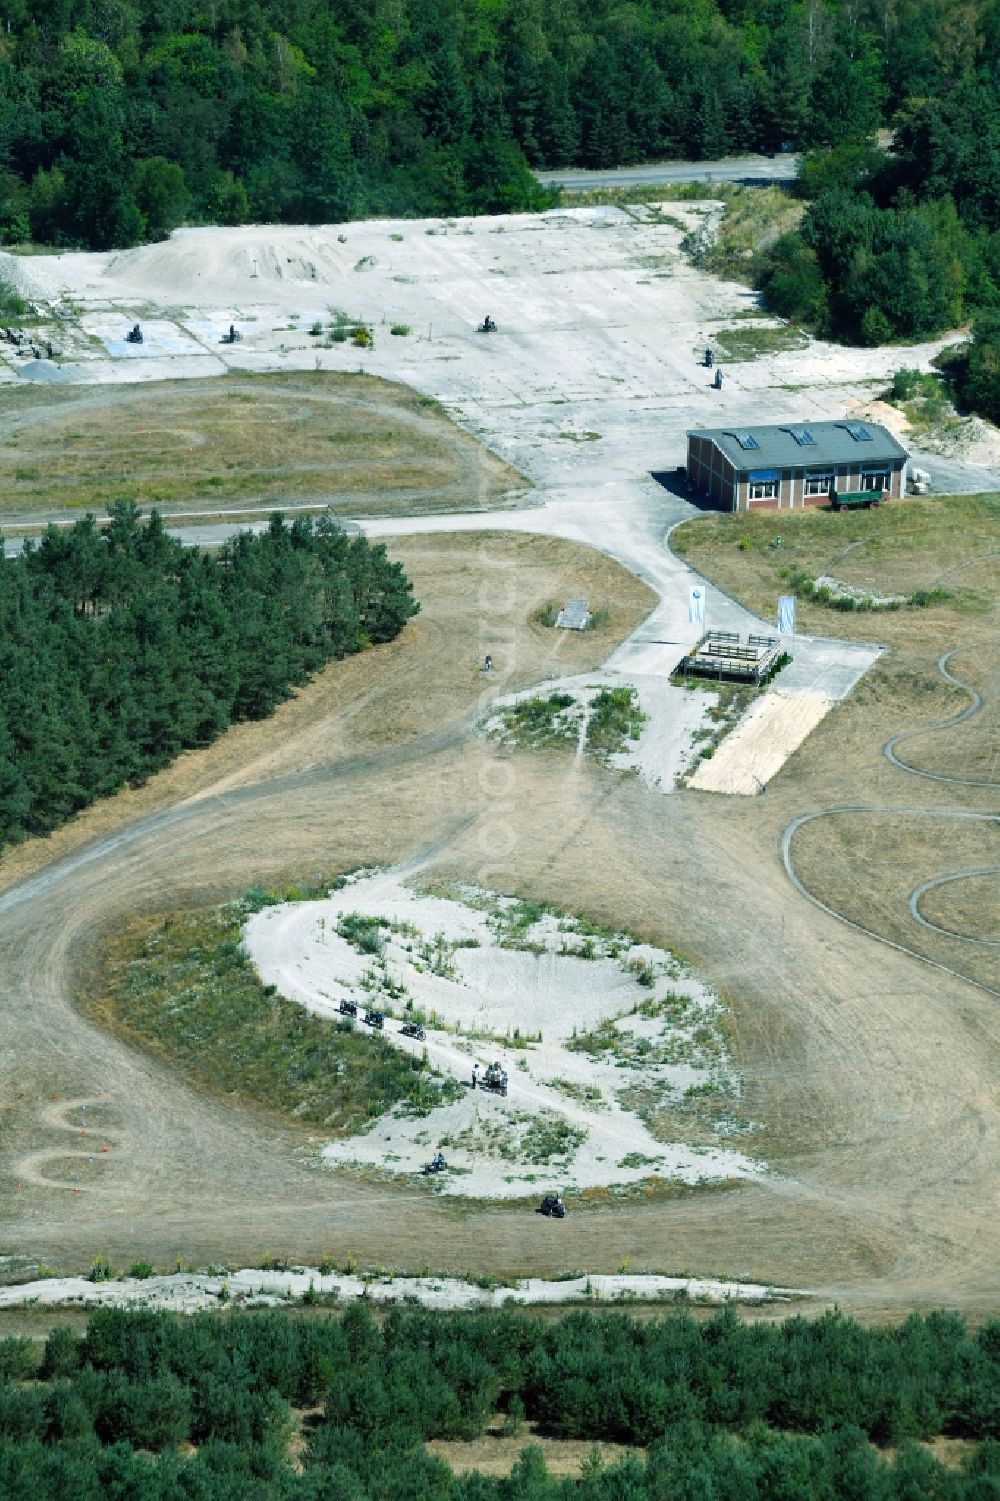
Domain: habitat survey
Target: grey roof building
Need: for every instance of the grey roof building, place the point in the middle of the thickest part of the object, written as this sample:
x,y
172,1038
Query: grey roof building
x,y
795,464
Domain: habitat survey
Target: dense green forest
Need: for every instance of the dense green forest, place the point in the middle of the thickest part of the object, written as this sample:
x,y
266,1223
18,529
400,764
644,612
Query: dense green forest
x,y
904,244
119,647
151,1407
121,118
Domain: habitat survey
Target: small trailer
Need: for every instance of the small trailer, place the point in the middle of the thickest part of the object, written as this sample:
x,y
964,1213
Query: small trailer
x,y
853,500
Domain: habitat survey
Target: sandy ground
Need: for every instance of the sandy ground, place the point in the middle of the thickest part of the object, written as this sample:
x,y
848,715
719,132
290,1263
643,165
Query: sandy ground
x,y
874,1077
190,1292
519,1007
583,298
756,749
673,717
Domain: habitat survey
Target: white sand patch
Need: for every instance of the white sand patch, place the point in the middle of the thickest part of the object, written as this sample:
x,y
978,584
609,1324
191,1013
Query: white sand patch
x,y
190,1292
773,727
500,982
673,714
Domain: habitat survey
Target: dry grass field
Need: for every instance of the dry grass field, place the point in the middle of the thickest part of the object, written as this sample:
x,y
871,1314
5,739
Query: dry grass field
x,y
265,441
919,733
872,1075
923,543
872,1081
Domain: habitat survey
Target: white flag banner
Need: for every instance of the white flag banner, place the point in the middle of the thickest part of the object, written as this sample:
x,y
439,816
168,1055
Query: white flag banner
x,y
696,604
786,614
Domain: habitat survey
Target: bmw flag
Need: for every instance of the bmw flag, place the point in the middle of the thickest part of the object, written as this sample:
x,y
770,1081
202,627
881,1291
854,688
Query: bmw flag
x,y
696,604
786,614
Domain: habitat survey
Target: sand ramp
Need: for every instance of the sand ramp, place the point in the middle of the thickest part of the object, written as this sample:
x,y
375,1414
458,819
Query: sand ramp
x,y
773,727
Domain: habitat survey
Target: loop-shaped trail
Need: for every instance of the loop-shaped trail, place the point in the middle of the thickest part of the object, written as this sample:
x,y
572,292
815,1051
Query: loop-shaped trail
x,y
933,882
31,1169
932,885
889,749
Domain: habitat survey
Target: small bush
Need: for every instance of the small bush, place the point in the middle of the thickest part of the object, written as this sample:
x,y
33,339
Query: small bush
x,y
361,338
924,597
18,1359
142,1270
12,304
905,385
361,932
400,329
62,1354
256,898
615,719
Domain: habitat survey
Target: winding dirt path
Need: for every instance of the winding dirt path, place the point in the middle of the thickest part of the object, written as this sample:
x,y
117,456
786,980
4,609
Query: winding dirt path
x,y
875,1075
92,1145
972,872
889,749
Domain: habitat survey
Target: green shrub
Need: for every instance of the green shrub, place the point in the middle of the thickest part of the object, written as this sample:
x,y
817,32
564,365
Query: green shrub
x,y
362,932
186,988
875,327
62,1354
905,384
12,304
18,1359
400,329
615,720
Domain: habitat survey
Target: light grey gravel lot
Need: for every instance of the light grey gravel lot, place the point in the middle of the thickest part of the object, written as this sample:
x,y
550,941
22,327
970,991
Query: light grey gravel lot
x,y
588,387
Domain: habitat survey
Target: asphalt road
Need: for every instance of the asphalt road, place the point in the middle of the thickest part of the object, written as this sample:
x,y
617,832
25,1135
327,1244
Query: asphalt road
x,y
734,169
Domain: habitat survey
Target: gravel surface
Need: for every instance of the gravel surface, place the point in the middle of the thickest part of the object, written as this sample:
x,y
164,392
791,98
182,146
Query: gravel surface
x,y
562,1118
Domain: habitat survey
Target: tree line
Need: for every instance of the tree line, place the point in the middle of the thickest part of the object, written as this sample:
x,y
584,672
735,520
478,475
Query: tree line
x,y
725,1411
119,647
905,244
118,122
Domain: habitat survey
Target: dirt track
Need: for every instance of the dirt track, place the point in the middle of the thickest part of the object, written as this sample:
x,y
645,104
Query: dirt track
x,y
875,1075
876,1083
328,439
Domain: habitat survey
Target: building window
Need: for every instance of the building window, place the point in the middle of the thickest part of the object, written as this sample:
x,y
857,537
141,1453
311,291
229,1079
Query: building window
x,y
818,484
766,489
875,479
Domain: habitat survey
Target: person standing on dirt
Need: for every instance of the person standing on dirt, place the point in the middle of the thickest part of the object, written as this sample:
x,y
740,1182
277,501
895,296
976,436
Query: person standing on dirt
x,y
488,664
475,1075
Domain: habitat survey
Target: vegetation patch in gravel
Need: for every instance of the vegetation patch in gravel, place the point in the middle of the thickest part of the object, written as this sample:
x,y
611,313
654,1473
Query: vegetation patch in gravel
x,y
182,986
